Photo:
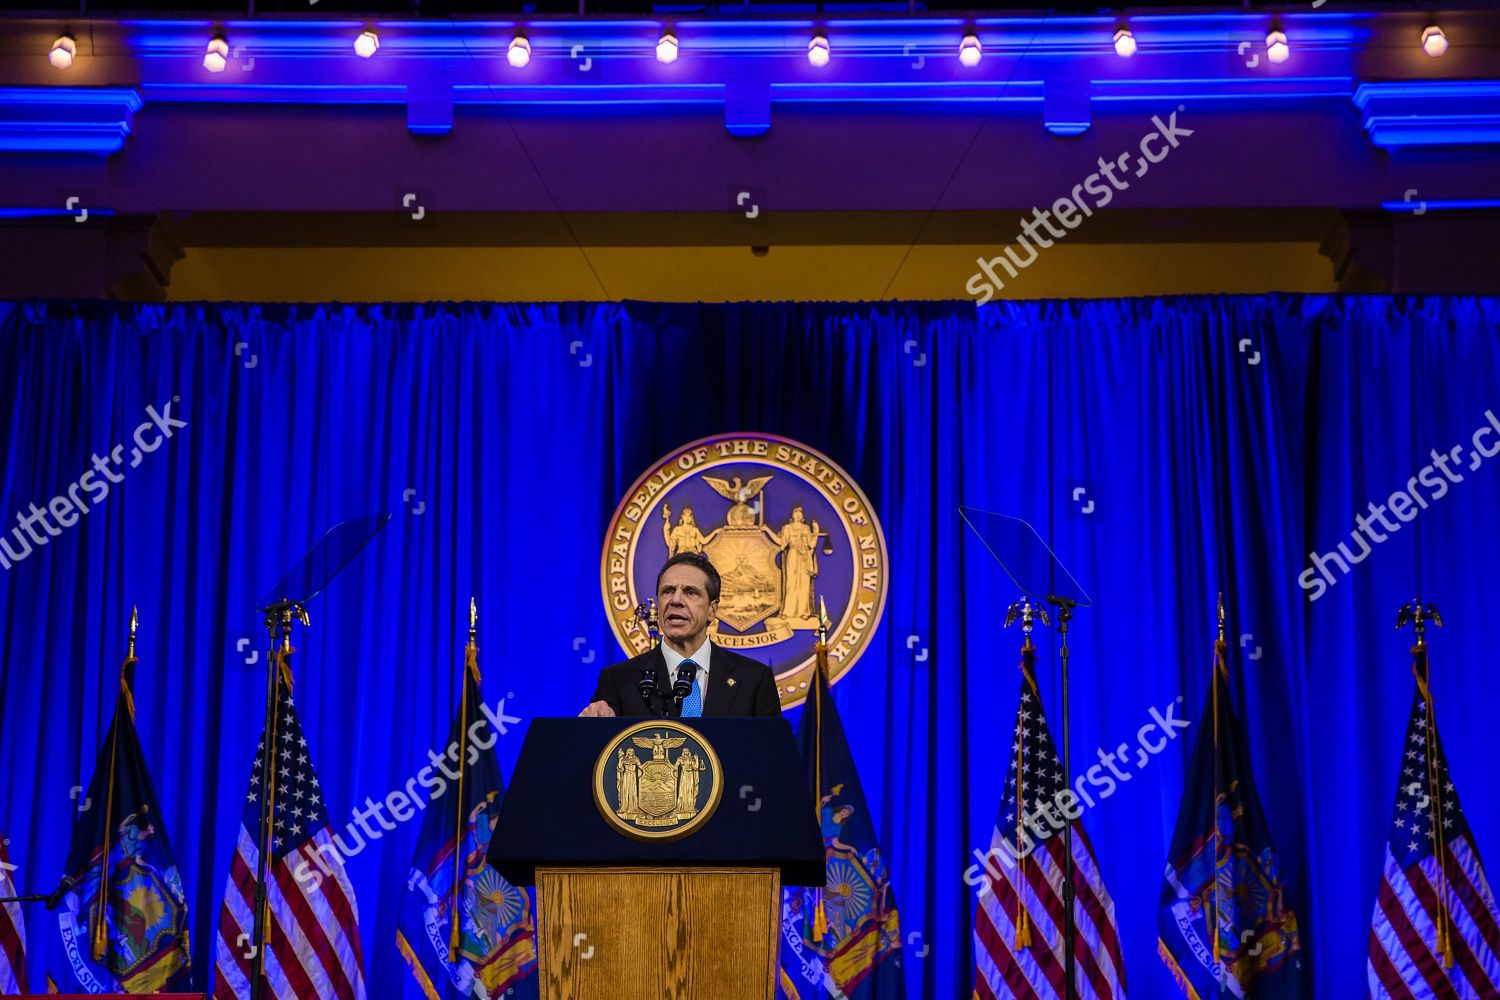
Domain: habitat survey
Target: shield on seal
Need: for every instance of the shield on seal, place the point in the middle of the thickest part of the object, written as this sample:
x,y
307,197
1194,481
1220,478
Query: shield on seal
x,y
746,561
658,795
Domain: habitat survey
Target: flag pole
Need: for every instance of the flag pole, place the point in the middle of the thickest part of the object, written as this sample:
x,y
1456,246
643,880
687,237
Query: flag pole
x,y
820,666
1027,615
1418,615
278,621
471,666
1065,606
1023,916
1213,694
100,937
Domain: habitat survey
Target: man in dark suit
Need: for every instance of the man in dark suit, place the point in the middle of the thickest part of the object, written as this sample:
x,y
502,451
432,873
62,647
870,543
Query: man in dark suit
x,y
724,683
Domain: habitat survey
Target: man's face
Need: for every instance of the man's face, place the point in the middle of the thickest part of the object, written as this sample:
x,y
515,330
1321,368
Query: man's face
x,y
682,600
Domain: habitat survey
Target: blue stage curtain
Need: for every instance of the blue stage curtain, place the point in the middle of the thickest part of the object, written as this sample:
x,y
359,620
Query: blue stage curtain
x,y
1220,440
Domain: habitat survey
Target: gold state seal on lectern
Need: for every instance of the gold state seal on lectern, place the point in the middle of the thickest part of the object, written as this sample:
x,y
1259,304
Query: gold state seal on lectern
x,y
658,780
786,529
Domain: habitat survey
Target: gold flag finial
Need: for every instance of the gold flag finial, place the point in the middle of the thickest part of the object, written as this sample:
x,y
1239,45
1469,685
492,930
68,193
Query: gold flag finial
x,y
1028,615
823,622
471,650
292,612
1221,616
127,669
645,613
1417,615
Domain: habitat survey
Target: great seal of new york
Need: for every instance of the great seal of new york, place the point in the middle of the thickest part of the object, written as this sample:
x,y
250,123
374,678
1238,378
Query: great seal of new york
x,y
785,527
658,780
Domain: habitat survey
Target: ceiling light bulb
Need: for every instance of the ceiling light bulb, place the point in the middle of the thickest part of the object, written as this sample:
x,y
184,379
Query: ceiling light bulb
x,y
367,43
1277,49
519,53
1124,43
969,50
666,49
217,56
63,51
1434,42
817,50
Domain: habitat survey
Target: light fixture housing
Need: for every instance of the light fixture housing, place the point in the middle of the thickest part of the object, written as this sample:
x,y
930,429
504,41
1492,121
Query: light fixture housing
x,y
666,48
817,50
1277,49
519,52
367,44
217,56
1434,42
1124,43
969,50
64,51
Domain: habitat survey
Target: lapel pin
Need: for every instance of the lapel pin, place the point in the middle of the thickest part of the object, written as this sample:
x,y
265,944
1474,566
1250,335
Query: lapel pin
x,y
729,681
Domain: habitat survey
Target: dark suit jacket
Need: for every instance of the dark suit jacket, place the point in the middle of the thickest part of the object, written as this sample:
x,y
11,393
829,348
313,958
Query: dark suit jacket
x,y
737,685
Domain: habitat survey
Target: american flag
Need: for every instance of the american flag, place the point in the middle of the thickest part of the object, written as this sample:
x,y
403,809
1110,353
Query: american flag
x,y
1435,931
12,932
1018,945
312,941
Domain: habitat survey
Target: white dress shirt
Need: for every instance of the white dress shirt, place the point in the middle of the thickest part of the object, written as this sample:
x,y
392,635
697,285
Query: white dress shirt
x,y
674,659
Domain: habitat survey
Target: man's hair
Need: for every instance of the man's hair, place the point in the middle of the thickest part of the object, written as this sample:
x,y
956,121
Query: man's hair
x,y
697,561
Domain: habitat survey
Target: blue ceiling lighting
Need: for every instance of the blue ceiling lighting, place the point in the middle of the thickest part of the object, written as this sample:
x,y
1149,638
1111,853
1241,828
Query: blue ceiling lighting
x,y
1059,69
1431,112
66,119
1415,207
82,215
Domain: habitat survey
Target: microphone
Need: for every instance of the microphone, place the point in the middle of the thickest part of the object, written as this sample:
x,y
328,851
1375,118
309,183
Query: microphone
x,y
647,688
55,900
687,671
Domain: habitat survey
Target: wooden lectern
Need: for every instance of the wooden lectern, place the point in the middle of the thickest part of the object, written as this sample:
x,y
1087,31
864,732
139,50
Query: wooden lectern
x,y
667,915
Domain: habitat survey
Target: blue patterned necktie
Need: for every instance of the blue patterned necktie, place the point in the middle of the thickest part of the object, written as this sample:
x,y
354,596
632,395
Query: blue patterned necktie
x,y
692,705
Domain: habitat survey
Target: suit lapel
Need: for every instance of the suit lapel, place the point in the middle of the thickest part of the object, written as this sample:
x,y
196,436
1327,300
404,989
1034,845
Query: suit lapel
x,y
720,695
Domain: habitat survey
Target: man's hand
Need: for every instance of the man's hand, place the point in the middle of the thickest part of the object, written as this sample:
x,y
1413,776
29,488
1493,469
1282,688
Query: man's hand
x,y
597,710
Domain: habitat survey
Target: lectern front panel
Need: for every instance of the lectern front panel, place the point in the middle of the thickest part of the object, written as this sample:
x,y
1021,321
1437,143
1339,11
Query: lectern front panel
x,y
655,933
